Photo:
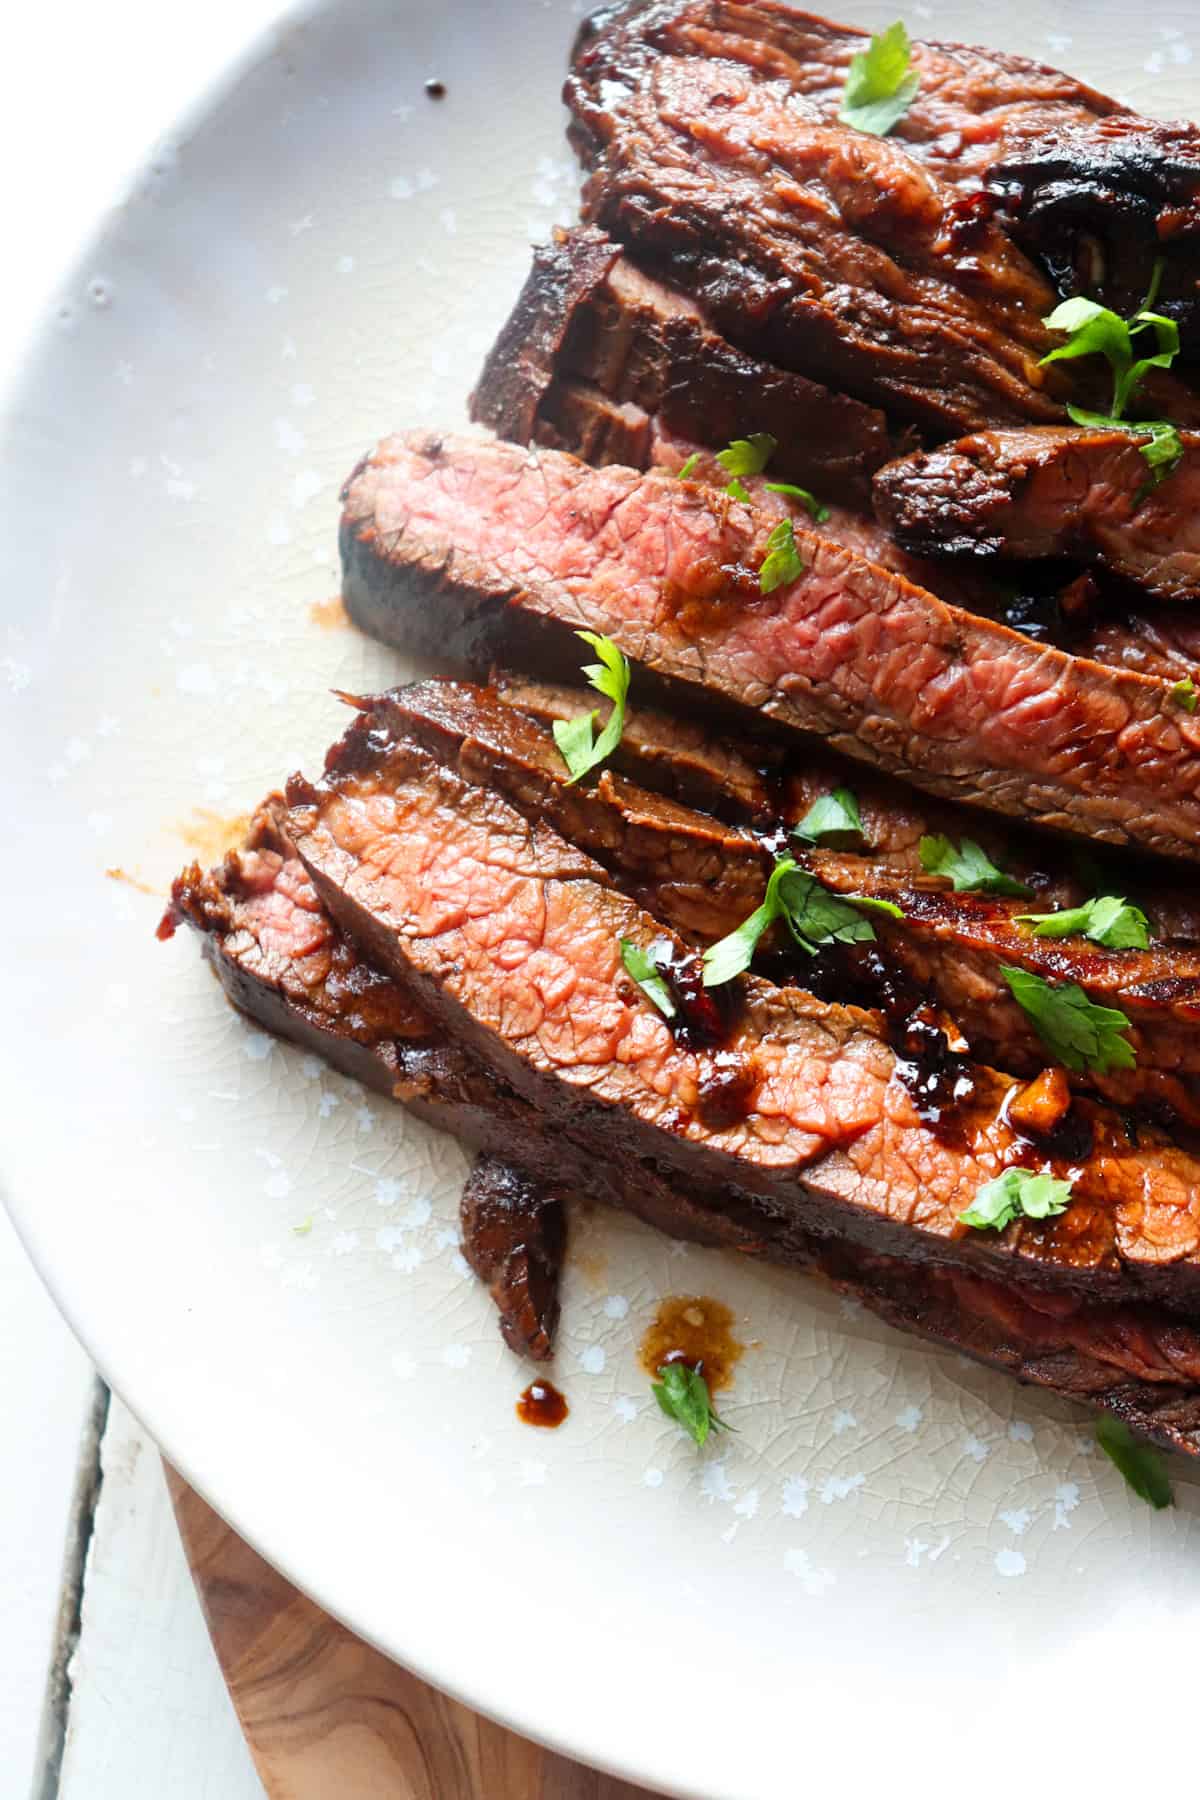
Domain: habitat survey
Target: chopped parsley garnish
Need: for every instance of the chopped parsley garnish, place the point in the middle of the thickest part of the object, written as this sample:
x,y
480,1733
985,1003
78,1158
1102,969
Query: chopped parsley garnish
x,y
641,965
1107,920
1184,694
1080,1034
1095,330
782,562
575,737
303,1228
968,868
683,473
817,509
1161,454
1017,1194
834,819
738,489
748,456
811,913
880,86
1140,1463
683,1395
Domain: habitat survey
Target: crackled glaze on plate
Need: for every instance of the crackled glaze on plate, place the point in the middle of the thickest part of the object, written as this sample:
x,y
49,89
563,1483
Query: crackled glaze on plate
x,y
264,1259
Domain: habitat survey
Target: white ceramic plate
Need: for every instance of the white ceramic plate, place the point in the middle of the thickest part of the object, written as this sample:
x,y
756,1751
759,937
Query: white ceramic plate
x,y
897,1551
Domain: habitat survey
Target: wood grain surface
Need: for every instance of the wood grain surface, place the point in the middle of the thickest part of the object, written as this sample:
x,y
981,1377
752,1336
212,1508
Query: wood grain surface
x,y
328,1718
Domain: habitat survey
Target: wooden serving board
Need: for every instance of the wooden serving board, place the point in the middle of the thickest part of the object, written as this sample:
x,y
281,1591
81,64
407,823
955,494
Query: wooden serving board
x,y
325,1715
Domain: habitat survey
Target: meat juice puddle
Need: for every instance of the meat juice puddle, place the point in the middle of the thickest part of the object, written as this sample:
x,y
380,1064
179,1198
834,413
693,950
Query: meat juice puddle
x,y
541,1404
697,1330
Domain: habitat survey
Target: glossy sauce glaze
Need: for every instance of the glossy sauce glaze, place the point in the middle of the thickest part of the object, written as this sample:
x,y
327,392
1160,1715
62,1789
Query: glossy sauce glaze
x,y
542,1404
697,1330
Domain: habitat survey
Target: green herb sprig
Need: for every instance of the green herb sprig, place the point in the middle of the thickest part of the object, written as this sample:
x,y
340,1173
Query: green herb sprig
x,y
1140,1463
783,562
1095,330
682,1393
1017,1194
1081,1035
645,971
881,84
811,913
834,820
578,745
1107,920
968,868
1184,694
816,508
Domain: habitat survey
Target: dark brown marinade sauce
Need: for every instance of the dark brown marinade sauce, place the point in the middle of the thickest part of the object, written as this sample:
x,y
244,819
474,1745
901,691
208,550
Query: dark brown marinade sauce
x,y
703,1016
697,1330
435,89
542,1404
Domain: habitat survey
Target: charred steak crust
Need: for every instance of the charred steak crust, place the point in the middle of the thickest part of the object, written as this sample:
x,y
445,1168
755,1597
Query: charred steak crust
x,y
1065,492
510,939
1128,1361
481,552
602,359
515,1237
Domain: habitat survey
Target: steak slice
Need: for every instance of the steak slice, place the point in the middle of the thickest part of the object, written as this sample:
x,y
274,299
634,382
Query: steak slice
x,y
972,105
1137,1365
821,249
1063,492
795,1118
705,878
482,552
600,358
515,1238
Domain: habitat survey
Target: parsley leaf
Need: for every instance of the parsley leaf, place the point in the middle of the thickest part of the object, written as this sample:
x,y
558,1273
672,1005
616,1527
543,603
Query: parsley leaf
x,y
748,456
1080,1034
682,1393
811,913
1140,1463
1163,452
737,489
1184,694
818,510
970,870
833,819
880,86
303,1228
1016,1194
641,965
610,677
683,473
1107,920
782,562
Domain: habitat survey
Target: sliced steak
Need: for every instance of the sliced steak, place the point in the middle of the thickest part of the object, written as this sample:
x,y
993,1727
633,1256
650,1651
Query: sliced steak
x,y
515,1238
482,552
972,105
818,248
600,358
1061,492
1131,1362
705,878
668,754
789,1113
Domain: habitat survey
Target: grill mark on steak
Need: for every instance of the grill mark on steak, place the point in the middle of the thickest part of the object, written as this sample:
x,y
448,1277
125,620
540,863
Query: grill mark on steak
x,y
821,248
1138,1365
972,104
490,922
480,552
704,879
515,1238
1063,492
600,358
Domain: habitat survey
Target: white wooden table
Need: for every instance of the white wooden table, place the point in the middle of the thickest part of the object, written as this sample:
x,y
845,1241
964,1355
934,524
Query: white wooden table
x,y
108,1685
